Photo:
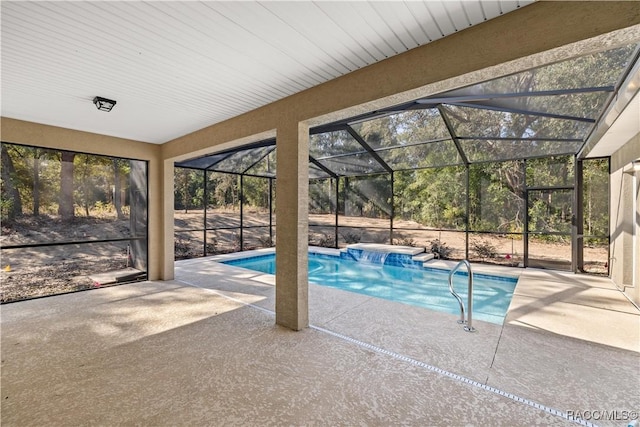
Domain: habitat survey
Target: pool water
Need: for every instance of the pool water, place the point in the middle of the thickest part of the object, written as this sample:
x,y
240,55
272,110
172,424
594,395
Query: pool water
x,y
422,287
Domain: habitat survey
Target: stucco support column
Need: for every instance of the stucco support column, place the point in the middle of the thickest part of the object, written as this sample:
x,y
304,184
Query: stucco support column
x,y
292,207
160,219
154,222
168,253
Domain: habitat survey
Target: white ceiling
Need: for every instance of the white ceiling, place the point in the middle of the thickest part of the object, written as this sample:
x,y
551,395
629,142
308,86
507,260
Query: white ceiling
x,y
176,67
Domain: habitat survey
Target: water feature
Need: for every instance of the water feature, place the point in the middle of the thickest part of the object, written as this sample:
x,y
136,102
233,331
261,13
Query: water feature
x,y
373,257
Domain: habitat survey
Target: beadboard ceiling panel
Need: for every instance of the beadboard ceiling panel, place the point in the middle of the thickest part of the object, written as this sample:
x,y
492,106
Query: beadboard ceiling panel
x,y
176,67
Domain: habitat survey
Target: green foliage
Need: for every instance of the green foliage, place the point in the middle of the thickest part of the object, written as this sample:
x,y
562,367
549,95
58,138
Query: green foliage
x,y
405,241
102,207
496,201
596,197
90,188
6,208
212,245
351,237
256,192
440,249
432,197
379,237
550,171
322,196
183,249
484,249
265,242
223,191
368,197
188,189
236,242
37,176
325,241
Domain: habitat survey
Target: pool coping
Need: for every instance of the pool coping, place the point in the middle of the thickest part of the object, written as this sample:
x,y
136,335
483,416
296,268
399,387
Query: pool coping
x,y
438,264
583,364
390,249
437,267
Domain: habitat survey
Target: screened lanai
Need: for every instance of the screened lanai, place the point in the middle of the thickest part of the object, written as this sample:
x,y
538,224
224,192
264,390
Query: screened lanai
x,y
493,172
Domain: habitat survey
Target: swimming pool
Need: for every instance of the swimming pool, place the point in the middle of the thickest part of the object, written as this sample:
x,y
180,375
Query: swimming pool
x,y
420,286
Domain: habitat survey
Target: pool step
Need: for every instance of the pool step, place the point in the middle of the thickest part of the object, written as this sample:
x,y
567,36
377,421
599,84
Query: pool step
x,y
390,249
423,257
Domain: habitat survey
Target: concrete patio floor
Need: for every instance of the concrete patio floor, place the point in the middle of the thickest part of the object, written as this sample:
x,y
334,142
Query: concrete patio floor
x,y
204,350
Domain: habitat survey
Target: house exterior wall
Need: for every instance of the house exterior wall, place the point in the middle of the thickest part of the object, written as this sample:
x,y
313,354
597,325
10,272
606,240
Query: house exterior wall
x,y
519,40
625,219
511,43
38,135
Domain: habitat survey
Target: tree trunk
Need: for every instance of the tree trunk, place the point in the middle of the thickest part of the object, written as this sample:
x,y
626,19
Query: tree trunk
x,y
36,183
183,188
65,208
85,202
8,188
117,197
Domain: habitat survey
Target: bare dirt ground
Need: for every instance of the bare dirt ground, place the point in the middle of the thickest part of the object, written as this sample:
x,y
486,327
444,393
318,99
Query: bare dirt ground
x,y
49,270
508,249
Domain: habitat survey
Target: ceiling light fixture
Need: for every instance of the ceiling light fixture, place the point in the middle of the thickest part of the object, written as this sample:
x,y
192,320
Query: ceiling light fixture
x,y
103,104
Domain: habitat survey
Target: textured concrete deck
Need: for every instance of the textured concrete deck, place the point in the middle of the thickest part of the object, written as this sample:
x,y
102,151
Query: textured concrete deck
x,y
192,352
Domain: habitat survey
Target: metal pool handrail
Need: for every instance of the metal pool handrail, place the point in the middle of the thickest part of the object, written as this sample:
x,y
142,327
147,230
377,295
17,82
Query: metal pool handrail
x,y
468,326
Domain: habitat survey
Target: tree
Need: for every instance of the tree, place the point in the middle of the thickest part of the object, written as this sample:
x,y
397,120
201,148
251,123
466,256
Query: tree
x,y
226,189
10,194
117,188
91,181
181,182
433,197
66,204
255,192
322,197
596,197
36,182
39,163
188,188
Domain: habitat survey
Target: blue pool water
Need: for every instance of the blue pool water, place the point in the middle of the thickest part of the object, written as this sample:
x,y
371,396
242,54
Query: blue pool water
x,y
419,286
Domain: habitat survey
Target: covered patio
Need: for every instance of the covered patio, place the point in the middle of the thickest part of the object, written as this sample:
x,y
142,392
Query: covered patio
x,y
200,343
203,349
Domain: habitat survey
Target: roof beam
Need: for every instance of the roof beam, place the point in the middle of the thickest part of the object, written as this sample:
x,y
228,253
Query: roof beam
x,y
440,99
366,146
519,139
521,111
323,167
259,160
536,29
447,123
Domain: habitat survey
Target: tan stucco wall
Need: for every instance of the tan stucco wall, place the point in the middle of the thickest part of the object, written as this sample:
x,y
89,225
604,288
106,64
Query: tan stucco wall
x,y
437,66
292,211
522,39
533,35
38,135
625,270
